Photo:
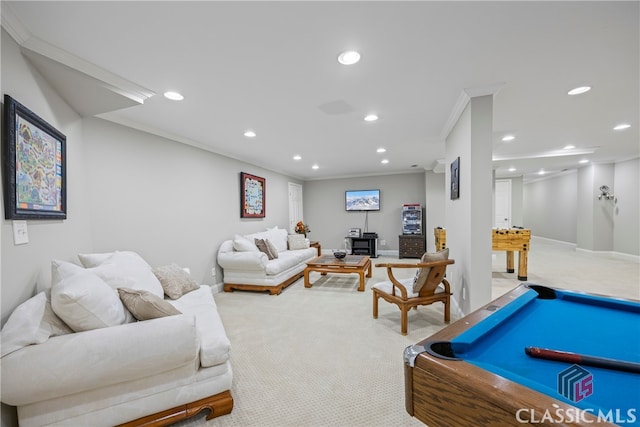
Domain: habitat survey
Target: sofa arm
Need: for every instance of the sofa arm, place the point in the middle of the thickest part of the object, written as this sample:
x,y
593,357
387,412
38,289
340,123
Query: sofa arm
x,y
253,261
83,361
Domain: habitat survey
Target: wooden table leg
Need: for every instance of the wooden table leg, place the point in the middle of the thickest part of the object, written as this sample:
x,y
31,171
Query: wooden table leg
x,y
370,271
306,278
510,268
522,265
361,287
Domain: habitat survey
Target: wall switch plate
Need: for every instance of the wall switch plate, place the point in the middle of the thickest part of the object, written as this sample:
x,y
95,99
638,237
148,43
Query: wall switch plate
x,y
20,232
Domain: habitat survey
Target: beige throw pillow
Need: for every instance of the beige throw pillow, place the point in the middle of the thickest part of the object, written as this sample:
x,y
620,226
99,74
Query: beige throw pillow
x,y
263,247
423,273
297,241
175,280
272,248
144,305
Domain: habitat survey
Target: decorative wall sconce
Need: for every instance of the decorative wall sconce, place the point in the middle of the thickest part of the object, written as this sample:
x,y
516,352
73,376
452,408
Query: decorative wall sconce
x,y
604,193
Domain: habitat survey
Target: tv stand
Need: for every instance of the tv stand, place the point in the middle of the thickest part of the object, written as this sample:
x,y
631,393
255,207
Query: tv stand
x,y
364,246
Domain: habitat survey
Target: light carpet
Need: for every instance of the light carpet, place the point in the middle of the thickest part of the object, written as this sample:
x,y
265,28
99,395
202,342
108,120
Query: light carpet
x,y
316,357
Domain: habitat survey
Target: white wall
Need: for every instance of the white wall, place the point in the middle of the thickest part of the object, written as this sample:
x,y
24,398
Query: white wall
x,y
550,207
626,230
435,188
324,208
469,218
169,201
26,266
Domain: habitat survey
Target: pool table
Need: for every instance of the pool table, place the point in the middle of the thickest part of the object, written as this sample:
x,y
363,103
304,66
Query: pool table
x,y
476,371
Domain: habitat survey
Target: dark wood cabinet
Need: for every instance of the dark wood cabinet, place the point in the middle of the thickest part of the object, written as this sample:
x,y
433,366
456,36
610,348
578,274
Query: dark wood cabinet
x,y
364,246
411,246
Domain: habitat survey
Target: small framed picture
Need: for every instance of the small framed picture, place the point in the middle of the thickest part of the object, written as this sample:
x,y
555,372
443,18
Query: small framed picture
x,y
34,165
455,179
252,196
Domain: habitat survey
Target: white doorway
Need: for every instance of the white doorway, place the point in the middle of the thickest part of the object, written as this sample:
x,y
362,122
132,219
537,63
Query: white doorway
x,y
502,203
295,205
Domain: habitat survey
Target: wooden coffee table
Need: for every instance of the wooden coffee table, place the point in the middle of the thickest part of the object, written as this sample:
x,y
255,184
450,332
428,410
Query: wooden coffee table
x,y
324,264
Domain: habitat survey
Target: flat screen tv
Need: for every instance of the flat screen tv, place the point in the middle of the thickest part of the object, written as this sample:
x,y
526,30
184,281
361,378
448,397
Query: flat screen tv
x,y
362,200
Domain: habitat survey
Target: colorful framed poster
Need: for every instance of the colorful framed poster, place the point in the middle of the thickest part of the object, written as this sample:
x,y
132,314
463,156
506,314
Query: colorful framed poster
x,y
34,165
252,196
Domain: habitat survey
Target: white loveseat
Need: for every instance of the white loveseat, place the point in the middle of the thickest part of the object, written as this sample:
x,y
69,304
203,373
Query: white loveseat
x,y
246,267
70,372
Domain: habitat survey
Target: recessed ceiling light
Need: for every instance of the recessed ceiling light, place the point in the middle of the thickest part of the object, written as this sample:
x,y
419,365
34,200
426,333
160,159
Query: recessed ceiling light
x,y
622,126
297,157
371,118
569,147
541,172
508,138
315,167
381,150
512,169
250,134
384,161
579,90
349,57
174,96
584,161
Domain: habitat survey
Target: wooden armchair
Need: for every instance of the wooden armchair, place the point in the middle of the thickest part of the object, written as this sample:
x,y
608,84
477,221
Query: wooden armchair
x,y
401,292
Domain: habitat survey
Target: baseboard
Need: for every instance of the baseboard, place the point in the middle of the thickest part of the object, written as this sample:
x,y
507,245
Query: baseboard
x,y
611,254
389,252
456,311
216,288
557,242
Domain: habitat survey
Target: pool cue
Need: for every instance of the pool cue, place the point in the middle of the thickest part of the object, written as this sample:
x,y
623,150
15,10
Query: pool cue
x,y
600,362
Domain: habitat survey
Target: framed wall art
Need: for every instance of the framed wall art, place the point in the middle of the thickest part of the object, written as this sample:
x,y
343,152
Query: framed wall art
x,y
455,179
252,196
34,169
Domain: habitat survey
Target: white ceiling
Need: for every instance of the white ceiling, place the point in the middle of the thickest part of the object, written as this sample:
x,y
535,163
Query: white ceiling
x,y
271,67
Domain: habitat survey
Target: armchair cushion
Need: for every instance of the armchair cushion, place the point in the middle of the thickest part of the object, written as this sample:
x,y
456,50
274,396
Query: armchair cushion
x,y
422,273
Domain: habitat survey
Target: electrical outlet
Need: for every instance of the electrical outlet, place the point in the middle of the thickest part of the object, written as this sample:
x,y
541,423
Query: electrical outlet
x,y
383,243
213,272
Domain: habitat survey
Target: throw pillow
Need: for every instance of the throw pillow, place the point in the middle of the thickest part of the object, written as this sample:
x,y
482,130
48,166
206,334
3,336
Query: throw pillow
x,y
124,269
272,248
423,273
297,241
263,247
175,280
242,244
82,299
144,305
24,326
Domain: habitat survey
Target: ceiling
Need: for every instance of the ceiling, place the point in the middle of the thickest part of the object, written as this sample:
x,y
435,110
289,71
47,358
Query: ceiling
x,y
272,67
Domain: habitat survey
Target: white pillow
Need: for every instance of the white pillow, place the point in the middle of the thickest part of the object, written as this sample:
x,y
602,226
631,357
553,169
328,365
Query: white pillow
x,y
242,244
278,236
82,299
124,269
93,260
297,241
24,326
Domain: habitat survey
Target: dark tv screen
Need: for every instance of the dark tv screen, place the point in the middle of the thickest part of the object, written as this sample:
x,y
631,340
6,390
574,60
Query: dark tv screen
x,y
362,200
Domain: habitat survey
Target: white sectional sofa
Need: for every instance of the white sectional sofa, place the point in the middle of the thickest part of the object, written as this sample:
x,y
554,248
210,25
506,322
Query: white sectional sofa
x,y
124,371
246,267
